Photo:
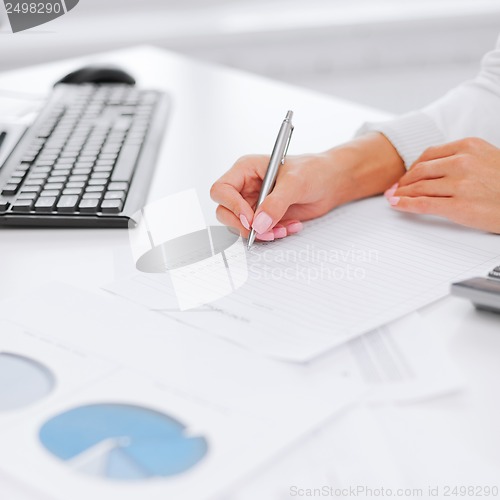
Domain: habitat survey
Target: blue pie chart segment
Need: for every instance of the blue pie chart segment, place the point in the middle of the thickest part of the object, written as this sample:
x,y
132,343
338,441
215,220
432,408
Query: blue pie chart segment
x,y
122,442
24,381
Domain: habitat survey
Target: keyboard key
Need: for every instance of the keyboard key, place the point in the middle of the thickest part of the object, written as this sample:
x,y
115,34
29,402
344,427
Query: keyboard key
x,y
111,148
48,158
100,175
22,205
54,185
111,206
39,169
108,155
84,164
94,189
123,123
45,204
65,161
115,195
118,186
67,203
4,204
50,193
105,163
44,163
29,158
78,185
34,182
103,168
126,162
61,171
10,189
89,205
19,174
57,178
98,182
27,196
73,191
78,178
92,196
31,189
81,171
89,154
39,175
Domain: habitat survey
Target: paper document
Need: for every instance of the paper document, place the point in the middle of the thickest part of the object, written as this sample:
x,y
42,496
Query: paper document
x,y
359,267
349,451
106,392
404,361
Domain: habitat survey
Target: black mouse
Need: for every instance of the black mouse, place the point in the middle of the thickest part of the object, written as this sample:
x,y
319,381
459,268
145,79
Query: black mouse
x,y
98,75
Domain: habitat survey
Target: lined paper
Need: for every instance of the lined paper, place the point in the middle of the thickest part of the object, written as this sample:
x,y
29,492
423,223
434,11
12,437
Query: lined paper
x,y
359,267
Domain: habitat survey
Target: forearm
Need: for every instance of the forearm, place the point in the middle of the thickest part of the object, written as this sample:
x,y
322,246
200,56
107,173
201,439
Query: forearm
x,y
365,166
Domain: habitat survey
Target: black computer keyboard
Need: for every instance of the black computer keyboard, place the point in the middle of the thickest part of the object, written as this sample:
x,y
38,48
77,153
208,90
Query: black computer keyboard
x,y
87,160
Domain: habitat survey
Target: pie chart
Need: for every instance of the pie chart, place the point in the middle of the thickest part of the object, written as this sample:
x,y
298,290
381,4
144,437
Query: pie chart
x,y
24,381
122,442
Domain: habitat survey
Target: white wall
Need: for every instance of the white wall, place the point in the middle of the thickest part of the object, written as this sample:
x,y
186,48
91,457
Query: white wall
x,y
393,54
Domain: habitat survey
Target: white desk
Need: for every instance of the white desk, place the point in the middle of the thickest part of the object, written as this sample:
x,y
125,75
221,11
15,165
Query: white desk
x,y
219,115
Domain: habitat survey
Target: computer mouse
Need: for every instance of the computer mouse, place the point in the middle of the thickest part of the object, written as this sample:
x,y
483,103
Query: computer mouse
x,y
98,75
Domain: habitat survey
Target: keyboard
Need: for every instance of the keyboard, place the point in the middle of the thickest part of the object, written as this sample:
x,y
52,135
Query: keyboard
x,y
87,160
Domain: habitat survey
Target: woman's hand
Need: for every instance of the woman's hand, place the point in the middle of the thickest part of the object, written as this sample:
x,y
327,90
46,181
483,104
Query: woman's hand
x,y
304,190
307,186
459,181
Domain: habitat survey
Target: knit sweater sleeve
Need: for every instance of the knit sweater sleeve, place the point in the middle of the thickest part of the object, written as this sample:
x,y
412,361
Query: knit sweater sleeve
x,y
469,110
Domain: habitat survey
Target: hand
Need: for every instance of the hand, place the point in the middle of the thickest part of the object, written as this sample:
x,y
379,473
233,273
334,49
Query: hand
x,y
304,189
459,180
307,186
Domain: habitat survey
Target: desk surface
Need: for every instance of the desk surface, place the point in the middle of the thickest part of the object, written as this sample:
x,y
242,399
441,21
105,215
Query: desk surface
x,y
218,115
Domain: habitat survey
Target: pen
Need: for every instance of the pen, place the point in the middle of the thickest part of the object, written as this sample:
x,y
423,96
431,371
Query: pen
x,y
277,158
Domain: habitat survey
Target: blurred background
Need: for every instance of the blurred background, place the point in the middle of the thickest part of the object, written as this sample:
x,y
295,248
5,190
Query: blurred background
x,y
396,55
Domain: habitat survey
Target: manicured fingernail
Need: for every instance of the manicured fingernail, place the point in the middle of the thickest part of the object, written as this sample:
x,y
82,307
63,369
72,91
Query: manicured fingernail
x,y
269,236
391,190
262,223
394,200
244,222
279,231
294,227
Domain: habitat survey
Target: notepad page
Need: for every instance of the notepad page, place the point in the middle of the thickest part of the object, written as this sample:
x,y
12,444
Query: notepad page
x,y
346,273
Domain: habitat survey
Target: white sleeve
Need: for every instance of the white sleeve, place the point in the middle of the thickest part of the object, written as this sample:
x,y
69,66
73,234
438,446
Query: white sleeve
x,y
469,110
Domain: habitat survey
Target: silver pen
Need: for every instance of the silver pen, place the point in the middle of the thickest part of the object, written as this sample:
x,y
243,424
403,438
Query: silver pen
x,y
277,159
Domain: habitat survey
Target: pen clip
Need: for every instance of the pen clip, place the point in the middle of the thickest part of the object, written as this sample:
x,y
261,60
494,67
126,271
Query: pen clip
x,y
287,144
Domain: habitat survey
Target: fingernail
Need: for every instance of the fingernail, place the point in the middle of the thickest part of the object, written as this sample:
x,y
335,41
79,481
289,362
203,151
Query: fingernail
x,y
269,236
294,227
279,231
391,190
262,223
244,222
394,200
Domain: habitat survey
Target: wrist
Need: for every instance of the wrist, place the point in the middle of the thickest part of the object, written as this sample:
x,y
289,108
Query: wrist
x,y
363,167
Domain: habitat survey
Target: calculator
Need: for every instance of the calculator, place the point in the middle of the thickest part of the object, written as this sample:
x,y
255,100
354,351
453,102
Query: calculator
x,y
484,293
